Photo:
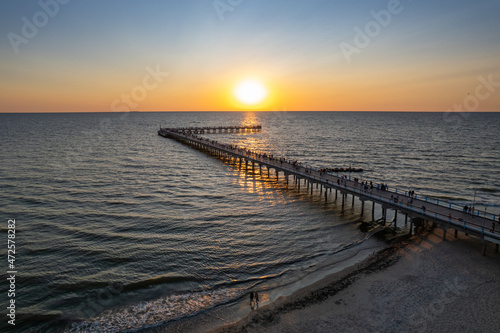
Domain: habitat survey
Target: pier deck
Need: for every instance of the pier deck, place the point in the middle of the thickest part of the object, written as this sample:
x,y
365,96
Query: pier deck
x,y
215,130
416,207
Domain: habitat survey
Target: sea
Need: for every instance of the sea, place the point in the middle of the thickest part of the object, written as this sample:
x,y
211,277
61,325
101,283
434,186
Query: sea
x,y
120,230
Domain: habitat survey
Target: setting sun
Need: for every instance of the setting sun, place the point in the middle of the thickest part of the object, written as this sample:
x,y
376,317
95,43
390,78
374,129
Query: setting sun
x,y
250,92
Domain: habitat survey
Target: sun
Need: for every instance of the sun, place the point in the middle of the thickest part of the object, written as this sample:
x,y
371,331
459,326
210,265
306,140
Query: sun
x,y
250,92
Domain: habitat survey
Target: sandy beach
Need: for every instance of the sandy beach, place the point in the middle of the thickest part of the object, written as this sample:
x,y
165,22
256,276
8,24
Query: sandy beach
x,y
421,284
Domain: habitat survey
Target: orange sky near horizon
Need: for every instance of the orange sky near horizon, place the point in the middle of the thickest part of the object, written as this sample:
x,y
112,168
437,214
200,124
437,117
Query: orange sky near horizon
x,y
424,59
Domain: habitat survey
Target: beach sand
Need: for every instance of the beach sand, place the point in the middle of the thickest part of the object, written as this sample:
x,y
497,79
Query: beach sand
x,y
421,284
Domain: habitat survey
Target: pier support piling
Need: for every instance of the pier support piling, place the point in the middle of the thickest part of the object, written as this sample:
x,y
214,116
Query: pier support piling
x,y
475,225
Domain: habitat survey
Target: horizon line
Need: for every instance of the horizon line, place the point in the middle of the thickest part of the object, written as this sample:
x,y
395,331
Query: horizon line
x,y
266,111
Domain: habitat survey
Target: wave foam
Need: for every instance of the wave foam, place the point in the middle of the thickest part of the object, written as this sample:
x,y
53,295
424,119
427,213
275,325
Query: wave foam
x,y
154,313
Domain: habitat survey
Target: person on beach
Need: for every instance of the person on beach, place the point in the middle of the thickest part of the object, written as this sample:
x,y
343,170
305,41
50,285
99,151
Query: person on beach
x,y
256,296
251,300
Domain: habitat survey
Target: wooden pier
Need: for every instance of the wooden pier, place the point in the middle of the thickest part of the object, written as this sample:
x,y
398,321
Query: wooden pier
x,y
215,130
415,208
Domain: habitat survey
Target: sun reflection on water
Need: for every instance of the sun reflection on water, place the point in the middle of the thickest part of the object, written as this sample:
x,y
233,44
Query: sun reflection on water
x,y
256,181
250,119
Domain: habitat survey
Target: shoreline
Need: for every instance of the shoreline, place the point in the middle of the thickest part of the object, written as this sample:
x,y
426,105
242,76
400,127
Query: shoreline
x,y
313,293
415,284
221,316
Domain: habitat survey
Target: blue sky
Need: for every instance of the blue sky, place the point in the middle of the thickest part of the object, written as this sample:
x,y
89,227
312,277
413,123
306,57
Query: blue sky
x,y
92,51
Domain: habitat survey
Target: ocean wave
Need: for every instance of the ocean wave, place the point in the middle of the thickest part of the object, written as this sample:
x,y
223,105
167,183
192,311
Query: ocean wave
x,y
132,286
488,190
81,285
485,204
121,202
154,313
158,280
252,281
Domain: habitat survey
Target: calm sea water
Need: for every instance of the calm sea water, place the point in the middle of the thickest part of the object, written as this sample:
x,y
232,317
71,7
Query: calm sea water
x,y
118,225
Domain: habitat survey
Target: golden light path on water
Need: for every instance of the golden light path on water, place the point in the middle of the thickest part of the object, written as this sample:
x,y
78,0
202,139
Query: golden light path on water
x,y
181,230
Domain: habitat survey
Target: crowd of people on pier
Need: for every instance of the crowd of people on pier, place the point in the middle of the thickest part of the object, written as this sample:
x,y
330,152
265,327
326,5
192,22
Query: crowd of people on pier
x,y
469,210
366,186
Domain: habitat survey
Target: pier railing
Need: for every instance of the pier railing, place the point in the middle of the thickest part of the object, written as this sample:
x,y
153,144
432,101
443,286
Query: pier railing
x,y
426,207
440,202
